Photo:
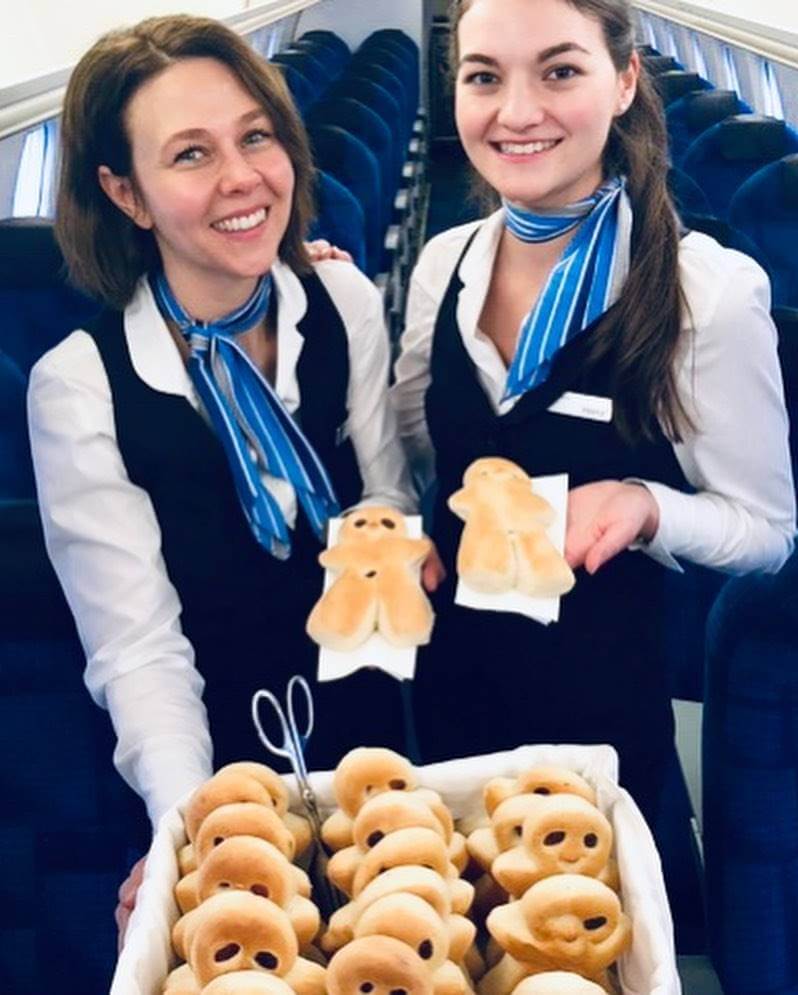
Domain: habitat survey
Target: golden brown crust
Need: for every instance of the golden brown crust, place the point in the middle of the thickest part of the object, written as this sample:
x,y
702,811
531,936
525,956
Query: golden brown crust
x,y
380,962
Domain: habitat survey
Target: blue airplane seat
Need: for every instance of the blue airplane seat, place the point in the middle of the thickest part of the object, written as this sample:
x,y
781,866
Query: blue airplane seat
x,y
786,319
374,73
349,161
376,97
726,234
723,157
656,64
328,38
675,83
70,828
312,68
339,218
365,124
396,35
647,50
16,471
750,783
333,56
301,89
696,111
765,208
396,59
687,195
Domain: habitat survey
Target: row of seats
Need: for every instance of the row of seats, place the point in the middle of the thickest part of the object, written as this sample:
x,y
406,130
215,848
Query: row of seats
x,y
368,139
734,166
746,167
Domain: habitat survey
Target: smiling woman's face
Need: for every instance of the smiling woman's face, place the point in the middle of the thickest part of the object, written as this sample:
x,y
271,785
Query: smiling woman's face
x,y
536,93
209,179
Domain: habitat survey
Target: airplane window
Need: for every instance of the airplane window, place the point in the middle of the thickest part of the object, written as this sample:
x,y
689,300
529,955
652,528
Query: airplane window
x,y
35,186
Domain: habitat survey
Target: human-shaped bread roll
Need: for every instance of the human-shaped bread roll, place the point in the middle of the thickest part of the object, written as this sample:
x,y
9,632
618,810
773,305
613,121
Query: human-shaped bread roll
x,y
561,834
408,879
384,814
244,819
503,830
239,931
362,773
542,779
565,922
247,983
245,782
378,965
410,919
246,863
504,545
558,983
414,846
376,588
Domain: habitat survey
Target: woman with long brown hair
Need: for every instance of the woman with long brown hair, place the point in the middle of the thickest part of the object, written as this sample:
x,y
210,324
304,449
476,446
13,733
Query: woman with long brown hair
x,y
579,330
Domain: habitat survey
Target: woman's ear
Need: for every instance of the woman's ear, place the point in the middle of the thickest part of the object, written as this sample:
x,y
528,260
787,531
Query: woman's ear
x,y
121,192
627,84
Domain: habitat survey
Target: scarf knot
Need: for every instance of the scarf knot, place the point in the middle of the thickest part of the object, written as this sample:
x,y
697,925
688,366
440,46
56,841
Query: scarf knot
x,y
245,411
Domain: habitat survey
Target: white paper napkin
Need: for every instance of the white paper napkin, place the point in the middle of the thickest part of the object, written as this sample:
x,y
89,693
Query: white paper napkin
x,y
553,489
375,652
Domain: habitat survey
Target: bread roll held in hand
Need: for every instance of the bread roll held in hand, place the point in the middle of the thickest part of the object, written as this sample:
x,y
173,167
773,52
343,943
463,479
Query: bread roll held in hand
x,y
376,588
504,546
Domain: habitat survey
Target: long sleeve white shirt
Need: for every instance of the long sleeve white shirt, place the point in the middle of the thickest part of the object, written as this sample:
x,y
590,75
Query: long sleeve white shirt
x,y
742,516
104,539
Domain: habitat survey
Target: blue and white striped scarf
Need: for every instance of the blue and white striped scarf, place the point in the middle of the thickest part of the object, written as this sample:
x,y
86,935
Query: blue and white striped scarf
x,y
585,282
245,410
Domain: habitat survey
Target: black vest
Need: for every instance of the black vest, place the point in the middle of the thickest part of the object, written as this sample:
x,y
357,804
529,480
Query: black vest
x,y
577,680
243,611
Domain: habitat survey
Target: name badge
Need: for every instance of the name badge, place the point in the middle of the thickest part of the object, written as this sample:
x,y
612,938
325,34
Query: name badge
x,y
588,406
342,433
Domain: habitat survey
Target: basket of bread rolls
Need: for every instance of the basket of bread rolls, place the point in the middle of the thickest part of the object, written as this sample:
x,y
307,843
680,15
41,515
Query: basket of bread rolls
x,y
528,872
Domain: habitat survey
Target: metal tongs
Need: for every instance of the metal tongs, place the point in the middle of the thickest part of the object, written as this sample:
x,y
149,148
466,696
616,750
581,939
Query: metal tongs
x,y
293,749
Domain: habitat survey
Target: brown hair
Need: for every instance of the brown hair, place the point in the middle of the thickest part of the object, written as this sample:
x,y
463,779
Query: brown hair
x,y
105,251
642,333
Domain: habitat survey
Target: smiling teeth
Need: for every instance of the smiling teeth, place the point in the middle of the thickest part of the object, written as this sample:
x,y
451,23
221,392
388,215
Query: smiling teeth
x,y
528,148
243,223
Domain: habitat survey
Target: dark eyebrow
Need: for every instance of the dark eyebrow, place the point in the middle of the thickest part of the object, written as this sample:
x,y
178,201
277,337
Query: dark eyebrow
x,y
544,56
192,133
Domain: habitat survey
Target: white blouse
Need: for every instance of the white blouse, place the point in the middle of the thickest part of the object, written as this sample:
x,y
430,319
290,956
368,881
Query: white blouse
x,y
728,377
103,536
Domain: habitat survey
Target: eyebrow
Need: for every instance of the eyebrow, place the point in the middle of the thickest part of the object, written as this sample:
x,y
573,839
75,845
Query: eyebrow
x,y
544,56
192,133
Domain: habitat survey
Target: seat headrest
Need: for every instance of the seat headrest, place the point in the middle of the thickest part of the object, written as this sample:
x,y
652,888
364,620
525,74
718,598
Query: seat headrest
x,y
675,83
752,136
29,255
657,64
789,179
710,106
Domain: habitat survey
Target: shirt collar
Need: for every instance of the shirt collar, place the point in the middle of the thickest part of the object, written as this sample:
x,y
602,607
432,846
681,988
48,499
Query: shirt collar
x,y
157,360
476,271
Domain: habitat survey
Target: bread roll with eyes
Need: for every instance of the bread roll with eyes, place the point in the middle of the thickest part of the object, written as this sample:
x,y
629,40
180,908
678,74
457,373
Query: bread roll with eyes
x,y
543,779
363,773
565,922
244,819
378,965
561,834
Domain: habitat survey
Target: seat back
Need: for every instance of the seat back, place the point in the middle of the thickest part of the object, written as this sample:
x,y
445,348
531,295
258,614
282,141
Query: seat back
x,y
675,83
656,64
346,158
694,112
299,86
765,208
724,156
339,218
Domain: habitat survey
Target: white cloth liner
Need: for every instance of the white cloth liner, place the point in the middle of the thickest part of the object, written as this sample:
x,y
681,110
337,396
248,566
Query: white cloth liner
x,y
649,968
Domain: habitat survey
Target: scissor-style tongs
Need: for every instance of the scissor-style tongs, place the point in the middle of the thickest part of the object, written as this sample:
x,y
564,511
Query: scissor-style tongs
x,y
293,749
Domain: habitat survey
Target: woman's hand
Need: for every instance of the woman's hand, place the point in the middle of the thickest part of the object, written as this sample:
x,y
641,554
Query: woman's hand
x,y
604,519
127,899
433,572
320,250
